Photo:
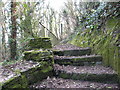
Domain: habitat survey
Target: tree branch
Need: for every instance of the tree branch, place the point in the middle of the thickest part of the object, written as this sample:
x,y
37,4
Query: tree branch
x,y
48,30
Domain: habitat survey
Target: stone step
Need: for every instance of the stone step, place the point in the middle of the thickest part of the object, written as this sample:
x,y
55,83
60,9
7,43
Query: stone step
x,y
70,50
83,51
78,60
59,83
96,73
38,55
37,43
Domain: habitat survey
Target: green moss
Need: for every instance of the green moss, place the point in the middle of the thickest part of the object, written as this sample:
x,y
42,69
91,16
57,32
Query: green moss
x,y
79,61
49,68
88,59
110,78
30,76
24,81
37,43
64,75
39,73
72,52
37,55
14,82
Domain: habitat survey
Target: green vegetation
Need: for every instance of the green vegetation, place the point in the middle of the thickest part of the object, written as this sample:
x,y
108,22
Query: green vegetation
x,y
102,42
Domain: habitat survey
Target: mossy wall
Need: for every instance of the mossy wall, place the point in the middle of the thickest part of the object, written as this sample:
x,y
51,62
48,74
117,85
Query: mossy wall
x,y
105,42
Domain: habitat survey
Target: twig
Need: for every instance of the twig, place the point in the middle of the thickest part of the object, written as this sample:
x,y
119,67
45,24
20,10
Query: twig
x,y
48,30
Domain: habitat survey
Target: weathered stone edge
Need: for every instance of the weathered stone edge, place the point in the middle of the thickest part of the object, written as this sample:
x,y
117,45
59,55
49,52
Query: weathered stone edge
x,y
103,78
72,52
78,61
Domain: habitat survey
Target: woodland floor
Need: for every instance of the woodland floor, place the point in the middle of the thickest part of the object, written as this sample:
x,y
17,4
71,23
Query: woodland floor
x,y
68,83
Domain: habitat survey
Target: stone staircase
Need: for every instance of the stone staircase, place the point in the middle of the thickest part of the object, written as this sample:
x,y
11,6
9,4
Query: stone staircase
x,y
65,66
76,67
72,55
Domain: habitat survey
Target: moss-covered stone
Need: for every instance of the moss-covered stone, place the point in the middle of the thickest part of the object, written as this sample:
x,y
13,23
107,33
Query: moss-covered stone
x,y
37,43
37,74
38,55
72,52
79,61
109,78
14,82
33,75
37,51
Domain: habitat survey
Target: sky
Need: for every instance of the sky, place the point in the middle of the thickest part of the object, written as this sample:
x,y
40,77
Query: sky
x,y
56,4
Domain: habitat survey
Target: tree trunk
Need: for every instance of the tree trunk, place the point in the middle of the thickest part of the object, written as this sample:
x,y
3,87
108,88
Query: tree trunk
x,y
13,47
3,44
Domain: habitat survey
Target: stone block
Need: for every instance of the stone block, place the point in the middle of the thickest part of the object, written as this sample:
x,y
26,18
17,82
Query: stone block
x,y
37,43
